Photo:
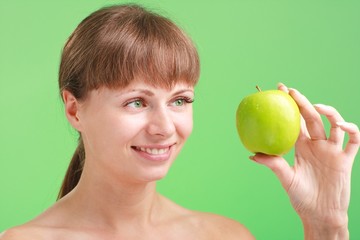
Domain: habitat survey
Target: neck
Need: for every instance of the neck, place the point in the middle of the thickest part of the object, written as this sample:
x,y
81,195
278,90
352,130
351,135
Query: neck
x,y
113,202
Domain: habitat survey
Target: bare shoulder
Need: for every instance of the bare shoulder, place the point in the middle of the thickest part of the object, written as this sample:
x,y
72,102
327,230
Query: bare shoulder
x,y
201,225
12,234
223,227
31,231
20,233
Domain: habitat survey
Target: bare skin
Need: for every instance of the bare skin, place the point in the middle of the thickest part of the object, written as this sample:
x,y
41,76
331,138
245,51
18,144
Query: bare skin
x,y
168,221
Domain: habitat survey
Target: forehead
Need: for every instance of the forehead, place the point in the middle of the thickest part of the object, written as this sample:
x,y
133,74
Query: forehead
x,y
140,84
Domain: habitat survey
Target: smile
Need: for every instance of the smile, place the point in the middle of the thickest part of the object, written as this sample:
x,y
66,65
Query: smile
x,y
153,151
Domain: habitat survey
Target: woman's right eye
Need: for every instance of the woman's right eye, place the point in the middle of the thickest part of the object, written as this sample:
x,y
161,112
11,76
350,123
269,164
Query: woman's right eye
x,y
137,103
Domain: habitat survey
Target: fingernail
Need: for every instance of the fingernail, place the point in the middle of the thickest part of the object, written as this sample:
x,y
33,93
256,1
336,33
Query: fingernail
x,y
340,123
252,158
319,105
293,89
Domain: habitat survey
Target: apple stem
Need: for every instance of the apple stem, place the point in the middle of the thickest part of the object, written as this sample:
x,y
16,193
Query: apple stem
x,y
258,88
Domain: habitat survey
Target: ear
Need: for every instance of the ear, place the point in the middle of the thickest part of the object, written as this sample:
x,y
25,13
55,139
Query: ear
x,y
71,109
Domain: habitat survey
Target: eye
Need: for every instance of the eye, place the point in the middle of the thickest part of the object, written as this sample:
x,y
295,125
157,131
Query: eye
x,y
182,101
179,102
137,103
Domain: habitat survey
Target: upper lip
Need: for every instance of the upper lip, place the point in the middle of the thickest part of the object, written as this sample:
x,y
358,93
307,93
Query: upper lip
x,y
155,146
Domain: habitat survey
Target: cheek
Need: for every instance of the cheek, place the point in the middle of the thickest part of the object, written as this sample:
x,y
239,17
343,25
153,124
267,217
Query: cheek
x,y
184,125
128,127
109,132
125,128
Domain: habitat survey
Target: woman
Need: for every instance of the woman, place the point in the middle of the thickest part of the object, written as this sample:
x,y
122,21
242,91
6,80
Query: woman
x,y
127,78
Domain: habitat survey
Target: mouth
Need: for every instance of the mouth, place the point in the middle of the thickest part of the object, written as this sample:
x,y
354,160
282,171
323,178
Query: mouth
x,y
154,153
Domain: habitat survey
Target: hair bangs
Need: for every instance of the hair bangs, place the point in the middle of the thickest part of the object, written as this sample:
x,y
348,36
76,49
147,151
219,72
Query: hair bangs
x,y
117,45
167,58
150,48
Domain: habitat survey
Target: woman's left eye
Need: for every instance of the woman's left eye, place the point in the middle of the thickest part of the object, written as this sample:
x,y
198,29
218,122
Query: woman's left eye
x,y
181,102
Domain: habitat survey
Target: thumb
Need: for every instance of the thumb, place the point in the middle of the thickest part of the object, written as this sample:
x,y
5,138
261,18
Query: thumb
x,y
278,165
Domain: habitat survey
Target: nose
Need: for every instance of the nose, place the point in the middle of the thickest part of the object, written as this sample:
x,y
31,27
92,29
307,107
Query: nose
x,y
161,123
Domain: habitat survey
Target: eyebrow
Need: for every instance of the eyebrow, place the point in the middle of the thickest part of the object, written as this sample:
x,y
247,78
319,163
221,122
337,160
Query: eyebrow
x,y
150,93
145,91
182,91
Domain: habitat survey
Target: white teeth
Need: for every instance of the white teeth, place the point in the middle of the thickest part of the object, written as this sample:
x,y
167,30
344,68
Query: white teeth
x,y
153,151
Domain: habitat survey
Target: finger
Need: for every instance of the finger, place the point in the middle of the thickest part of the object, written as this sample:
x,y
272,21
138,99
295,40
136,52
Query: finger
x,y
336,134
312,118
304,134
352,146
283,88
303,130
278,165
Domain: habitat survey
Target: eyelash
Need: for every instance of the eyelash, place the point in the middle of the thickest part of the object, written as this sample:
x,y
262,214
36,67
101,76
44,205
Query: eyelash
x,y
186,99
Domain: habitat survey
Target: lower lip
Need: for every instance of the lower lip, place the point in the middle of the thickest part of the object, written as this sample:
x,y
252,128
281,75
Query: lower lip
x,y
155,158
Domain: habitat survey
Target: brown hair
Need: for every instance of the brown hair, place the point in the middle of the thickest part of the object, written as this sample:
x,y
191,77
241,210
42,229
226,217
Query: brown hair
x,y
115,45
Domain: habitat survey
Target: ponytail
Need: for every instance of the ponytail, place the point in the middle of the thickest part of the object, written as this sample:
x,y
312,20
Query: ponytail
x,y
74,170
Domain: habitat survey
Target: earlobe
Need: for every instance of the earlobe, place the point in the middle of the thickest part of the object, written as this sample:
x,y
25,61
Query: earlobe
x,y
71,109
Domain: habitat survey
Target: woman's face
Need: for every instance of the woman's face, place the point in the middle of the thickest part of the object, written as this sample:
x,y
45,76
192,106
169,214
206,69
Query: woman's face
x,y
135,133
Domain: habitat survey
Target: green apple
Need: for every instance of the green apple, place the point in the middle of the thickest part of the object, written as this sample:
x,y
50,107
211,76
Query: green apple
x,y
268,122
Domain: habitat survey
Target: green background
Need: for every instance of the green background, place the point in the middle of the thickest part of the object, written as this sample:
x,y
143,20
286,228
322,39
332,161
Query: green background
x,y
313,46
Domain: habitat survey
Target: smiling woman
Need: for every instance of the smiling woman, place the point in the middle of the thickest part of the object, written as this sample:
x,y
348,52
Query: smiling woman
x,y
144,46
127,78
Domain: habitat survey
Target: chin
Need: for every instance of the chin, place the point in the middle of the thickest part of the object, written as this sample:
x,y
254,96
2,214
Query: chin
x,y
155,177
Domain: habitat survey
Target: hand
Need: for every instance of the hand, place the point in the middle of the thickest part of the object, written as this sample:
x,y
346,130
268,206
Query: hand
x,y
318,184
